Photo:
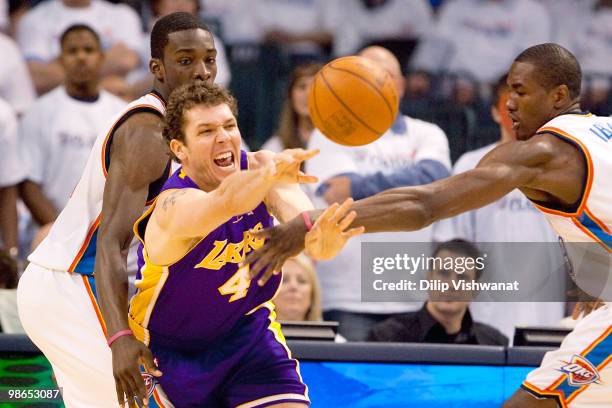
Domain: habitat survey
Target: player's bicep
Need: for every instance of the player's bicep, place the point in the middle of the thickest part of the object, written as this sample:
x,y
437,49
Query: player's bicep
x,y
138,158
189,213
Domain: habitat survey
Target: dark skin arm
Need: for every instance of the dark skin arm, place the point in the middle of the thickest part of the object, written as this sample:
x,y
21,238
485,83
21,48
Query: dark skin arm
x,y
138,157
41,208
544,168
8,216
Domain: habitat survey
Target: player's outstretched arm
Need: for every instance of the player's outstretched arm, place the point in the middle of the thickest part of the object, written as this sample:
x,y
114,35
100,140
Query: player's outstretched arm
x,y
190,213
511,165
138,157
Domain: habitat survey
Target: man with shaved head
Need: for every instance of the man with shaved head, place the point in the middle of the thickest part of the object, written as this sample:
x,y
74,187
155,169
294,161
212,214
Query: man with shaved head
x,y
410,153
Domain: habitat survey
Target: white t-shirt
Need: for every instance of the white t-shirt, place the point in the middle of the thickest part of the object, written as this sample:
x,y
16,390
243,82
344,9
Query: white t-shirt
x,y
593,43
482,37
297,17
15,83
11,170
400,19
340,277
511,219
56,137
39,31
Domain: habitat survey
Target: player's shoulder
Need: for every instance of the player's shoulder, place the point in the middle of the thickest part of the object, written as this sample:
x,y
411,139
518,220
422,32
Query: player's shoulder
x,y
469,160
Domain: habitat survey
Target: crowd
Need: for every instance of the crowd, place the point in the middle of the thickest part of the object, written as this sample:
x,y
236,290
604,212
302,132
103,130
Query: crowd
x,y
70,65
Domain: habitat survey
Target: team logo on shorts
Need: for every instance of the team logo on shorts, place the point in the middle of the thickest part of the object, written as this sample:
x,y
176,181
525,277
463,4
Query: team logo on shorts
x,y
580,371
150,382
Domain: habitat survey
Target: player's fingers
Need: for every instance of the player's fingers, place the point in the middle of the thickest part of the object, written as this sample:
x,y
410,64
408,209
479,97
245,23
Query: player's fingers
x,y
305,178
139,389
149,364
353,232
344,208
120,394
303,155
346,221
327,214
264,278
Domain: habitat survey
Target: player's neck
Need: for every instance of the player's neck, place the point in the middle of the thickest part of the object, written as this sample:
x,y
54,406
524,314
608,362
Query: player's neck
x,y
161,89
451,323
85,91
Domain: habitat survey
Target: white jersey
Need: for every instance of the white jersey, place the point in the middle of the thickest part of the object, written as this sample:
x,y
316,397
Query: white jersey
x,y
71,243
591,219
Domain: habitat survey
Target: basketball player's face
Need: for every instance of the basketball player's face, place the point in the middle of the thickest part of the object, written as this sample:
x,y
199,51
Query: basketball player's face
x,y
530,105
189,55
212,144
81,57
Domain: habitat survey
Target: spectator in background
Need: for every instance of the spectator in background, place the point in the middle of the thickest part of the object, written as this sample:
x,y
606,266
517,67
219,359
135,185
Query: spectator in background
x,y
477,40
295,126
412,152
511,219
117,25
141,79
15,83
11,173
303,29
445,317
299,298
59,130
9,319
363,22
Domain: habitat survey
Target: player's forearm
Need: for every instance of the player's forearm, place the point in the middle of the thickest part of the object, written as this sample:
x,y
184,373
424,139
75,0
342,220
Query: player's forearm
x,y
8,216
402,209
244,190
112,284
41,208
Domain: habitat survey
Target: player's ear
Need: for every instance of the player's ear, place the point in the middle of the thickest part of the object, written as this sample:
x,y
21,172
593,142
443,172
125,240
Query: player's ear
x,y
561,95
157,69
178,148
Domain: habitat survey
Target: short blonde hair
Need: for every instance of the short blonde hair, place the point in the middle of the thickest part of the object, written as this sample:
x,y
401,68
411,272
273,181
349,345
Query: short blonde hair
x,y
314,311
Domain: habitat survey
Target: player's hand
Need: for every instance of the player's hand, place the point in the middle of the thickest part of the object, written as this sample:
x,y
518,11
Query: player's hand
x,y
337,189
285,167
128,354
584,308
330,231
283,242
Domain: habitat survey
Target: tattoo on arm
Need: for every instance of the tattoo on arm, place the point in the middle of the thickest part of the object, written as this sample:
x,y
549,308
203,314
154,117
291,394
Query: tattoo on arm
x,y
170,200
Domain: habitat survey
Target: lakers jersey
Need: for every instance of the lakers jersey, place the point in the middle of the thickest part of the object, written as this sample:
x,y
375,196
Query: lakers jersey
x,y
591,218
201,297
71,243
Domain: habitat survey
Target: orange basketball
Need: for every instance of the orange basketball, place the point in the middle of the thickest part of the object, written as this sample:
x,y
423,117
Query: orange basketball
x,y
353,101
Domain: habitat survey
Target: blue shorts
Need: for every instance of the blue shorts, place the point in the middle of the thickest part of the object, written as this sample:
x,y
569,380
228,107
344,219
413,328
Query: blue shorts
x,y
250,367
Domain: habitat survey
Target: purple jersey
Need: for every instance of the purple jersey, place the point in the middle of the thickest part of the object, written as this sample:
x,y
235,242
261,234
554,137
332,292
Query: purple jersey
x,y
201,297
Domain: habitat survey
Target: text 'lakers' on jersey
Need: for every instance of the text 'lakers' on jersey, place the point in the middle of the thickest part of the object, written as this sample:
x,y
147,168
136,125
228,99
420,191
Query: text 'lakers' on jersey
x,y
591,219
71,243
201,297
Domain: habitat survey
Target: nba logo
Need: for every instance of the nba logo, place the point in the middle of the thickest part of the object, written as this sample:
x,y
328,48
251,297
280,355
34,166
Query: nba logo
x,y
580,371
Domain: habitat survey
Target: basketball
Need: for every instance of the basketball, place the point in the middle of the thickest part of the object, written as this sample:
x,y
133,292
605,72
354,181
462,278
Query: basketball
x,y
353,101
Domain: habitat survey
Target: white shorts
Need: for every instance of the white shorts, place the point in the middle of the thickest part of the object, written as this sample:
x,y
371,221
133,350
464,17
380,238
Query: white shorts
x,y
579,373
59,313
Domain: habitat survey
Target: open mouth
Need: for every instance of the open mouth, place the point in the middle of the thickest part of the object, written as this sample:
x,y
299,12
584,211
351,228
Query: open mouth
x,y
225,159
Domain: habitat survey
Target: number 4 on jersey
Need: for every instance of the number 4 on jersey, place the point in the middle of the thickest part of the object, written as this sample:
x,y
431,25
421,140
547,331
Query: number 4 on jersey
x,y
237,285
